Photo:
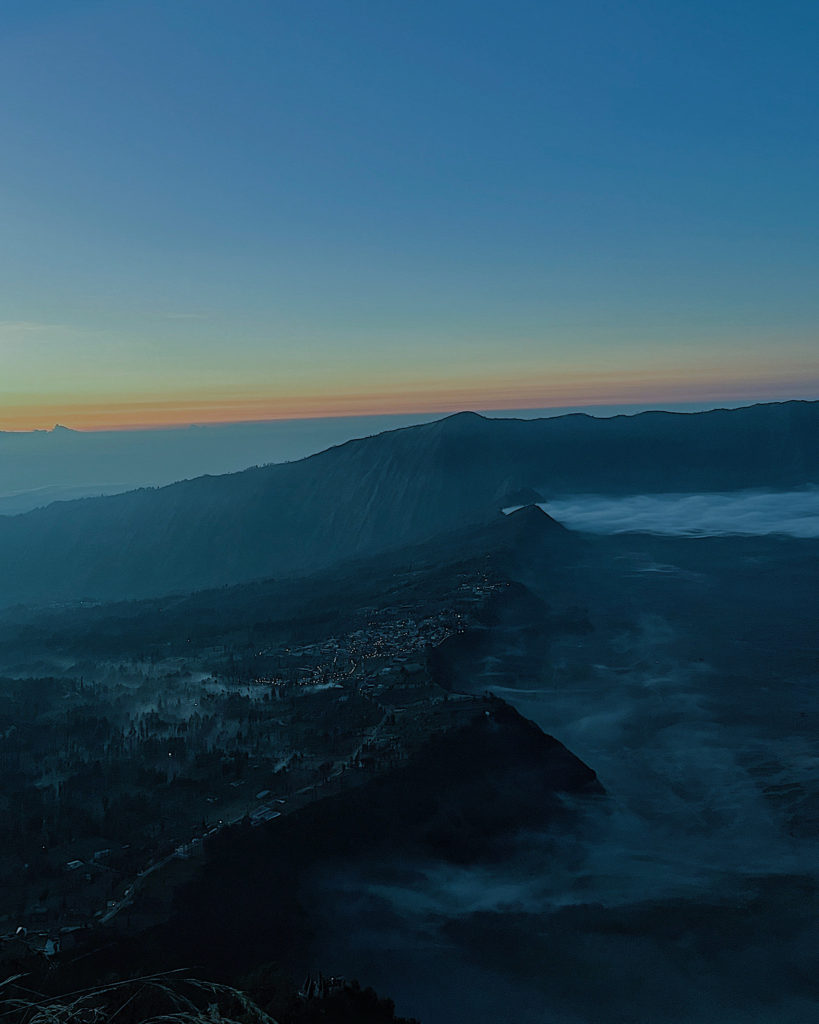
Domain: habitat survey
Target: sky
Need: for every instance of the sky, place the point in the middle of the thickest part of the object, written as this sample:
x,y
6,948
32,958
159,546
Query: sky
x,y
215,211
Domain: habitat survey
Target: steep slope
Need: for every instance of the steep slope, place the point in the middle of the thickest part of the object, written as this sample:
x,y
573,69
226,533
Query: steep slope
x,y
379,493
336,599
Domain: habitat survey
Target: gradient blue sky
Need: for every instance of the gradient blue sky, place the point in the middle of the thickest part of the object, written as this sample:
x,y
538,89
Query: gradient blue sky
x,y
241,210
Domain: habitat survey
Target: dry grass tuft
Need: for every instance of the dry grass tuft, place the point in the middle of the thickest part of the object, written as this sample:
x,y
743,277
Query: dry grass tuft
x,y
167,998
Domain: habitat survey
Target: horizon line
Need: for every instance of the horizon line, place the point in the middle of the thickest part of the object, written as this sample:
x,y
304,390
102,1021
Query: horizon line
x,y
681,407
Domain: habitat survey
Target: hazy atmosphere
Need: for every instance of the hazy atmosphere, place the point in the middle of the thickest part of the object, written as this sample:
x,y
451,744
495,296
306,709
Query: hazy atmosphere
x,y
41,466
409,512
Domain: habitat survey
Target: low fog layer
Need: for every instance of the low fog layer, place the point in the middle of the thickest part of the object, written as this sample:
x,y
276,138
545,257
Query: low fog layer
x,y
795,513
693,697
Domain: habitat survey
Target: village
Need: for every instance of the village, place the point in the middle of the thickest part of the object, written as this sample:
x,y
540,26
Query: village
x,y
116,778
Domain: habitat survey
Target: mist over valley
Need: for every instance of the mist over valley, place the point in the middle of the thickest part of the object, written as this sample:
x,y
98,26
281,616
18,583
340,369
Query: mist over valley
x,y
795,513
301,716
409,513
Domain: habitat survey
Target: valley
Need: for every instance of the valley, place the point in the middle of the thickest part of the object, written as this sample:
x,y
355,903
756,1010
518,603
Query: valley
x,y
505,764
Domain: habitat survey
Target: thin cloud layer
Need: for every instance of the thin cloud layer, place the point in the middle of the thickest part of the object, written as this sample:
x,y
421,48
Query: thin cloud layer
x,y
795,513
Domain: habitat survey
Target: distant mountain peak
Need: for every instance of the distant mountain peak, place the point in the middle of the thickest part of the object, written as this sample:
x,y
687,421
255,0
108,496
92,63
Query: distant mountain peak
x,y
464,415
58,428
461,421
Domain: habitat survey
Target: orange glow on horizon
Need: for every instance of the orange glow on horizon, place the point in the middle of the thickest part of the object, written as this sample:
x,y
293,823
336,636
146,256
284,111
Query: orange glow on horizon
x,y
439,397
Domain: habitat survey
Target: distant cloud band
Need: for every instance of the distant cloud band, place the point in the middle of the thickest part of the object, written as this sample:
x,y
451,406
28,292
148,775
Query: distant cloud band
x,y
795,513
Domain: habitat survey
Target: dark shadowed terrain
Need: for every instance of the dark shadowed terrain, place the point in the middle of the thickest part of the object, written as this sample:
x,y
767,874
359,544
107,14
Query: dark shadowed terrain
x,y
626,830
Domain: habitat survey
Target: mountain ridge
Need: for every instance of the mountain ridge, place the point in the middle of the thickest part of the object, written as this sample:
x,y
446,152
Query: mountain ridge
x,y
381,492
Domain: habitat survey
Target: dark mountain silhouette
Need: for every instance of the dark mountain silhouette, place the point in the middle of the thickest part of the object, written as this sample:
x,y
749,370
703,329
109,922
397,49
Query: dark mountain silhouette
x,y
383,492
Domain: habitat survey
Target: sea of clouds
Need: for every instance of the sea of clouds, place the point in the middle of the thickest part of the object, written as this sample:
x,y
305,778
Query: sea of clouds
x,y
795,513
